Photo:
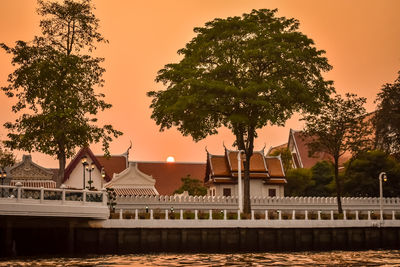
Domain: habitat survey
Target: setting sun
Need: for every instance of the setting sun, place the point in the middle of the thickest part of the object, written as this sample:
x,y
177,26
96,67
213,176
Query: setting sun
x,y
170,159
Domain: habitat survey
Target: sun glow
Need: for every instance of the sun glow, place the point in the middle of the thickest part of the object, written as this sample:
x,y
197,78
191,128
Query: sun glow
x,y
170,159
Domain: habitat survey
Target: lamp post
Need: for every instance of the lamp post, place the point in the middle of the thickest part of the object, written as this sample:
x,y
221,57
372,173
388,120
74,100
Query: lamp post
x,y
84,164
382,176
90,168
240,191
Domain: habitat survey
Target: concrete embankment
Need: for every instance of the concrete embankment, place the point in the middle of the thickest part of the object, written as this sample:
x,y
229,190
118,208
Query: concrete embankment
x,y
44,236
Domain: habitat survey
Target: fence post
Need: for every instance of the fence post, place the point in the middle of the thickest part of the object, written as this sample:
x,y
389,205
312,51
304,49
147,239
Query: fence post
x,y
332,218
225,215
136,214
266,214
41,194
344,215
151,214
294,215
181,215
279,215
196,217
105,196
319,215
84,196
210,215
252,214
120,214
306,215
357,215
238,212
393,215
369,215
166,214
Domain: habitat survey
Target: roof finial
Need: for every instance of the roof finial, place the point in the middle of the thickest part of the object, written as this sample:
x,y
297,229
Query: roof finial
x,y
223,144
263,149
206,150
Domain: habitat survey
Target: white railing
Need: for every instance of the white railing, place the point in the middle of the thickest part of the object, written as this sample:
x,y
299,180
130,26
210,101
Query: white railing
x,y
30,201
257,203
150,218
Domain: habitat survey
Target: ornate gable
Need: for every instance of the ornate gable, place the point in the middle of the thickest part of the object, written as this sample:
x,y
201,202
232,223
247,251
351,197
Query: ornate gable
x,y
28,170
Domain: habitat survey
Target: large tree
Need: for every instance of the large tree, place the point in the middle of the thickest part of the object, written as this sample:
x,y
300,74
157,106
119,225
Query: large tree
x,y
55,81
387,118
340,126
244,73
7,158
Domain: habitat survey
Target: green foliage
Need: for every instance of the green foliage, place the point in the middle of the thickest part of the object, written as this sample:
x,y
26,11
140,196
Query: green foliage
x,y
362,175
54,83
244,73
193,186
387,119
7,158
322,177
286,157
339,127
298,181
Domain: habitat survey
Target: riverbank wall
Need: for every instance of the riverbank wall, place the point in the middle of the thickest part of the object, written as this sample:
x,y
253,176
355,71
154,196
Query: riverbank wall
x,y
50,236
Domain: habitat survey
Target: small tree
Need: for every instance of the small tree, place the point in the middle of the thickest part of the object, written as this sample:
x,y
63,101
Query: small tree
x,y
362,175
322,176
387,118
299,180
193,186
339,127
54,79
242,73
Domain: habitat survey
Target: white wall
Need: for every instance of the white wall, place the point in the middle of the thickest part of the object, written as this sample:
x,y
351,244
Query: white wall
x,y
257,189
76,177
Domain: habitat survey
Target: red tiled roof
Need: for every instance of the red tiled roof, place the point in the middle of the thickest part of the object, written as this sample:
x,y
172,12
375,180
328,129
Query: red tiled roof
x,y
308,161
274,167
112,164
276,181
219,166
168,175
77,160
256,161
135,192
33,183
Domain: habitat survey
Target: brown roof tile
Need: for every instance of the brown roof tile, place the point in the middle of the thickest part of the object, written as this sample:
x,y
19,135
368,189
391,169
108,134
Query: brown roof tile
x,y
256,161
219,166
168,175
274,167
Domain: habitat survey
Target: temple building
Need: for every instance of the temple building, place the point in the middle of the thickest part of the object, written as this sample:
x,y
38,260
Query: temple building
x,y
30,174
267,177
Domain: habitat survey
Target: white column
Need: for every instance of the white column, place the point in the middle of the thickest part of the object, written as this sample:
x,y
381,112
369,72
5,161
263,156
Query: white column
x,y
240,190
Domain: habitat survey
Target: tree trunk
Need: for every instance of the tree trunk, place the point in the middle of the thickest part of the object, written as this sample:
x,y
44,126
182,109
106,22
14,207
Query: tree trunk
x,y
338,186
246,195
61,163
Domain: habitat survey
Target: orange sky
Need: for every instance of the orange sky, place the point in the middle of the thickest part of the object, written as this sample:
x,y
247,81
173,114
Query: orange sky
x,y
362,40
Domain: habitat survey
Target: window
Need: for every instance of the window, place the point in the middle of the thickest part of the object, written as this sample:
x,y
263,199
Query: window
x,y
227,192
272,192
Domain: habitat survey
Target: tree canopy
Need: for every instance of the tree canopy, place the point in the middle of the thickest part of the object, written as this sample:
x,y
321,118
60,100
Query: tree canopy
x,y
286,157
339,127
193,186
54,83
363,172
7,158
387,118
243,73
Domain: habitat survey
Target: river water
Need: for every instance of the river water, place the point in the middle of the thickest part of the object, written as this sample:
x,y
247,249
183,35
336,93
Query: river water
x,y
332,258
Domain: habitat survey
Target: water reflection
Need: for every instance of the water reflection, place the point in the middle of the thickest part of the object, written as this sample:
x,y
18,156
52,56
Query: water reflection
x,y
334,258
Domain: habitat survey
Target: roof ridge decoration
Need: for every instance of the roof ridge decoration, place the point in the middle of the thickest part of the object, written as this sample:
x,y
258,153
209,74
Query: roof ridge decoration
x,y
76,160
28,158
292,132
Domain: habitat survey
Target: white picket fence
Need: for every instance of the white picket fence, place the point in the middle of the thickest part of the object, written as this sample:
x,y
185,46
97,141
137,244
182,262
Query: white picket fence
x,y
257,203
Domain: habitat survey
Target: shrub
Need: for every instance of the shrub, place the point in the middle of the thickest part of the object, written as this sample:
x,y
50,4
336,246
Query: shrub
x,y
114,215
259,216
203,215
245,216
144,215
325,216
338,216
188,215
128,215
231,216
218,215
300,216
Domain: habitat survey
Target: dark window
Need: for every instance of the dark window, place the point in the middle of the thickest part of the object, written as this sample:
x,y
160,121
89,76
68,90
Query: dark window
x,y
272,192
227,192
